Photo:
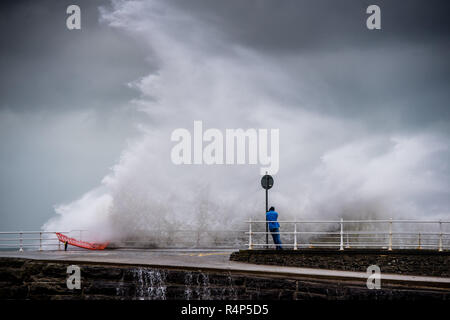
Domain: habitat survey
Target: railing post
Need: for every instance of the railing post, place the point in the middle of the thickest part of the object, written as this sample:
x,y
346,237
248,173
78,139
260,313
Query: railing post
x,y
341,247
295,236
440,236
21,242
390,235
40,241
250,245
348,243
420,246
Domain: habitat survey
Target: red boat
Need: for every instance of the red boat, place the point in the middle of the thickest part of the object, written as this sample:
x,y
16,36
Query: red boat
x,y
81,244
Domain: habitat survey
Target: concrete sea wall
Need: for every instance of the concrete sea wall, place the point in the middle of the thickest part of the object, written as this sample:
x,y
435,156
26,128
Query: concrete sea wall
x,y
409,262
37,279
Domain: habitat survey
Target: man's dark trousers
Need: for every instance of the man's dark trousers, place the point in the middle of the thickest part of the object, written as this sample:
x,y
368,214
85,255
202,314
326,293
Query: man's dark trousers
x,y
276,237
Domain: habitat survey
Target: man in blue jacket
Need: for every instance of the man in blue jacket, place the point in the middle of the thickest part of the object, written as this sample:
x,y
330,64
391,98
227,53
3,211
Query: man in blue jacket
x,y
274,226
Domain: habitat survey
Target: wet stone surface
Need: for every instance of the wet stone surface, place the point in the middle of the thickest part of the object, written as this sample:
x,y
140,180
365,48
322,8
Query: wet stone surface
x,y
408,262
41,280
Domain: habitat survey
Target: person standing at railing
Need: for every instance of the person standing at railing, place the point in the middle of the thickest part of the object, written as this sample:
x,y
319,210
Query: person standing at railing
x,y
274,226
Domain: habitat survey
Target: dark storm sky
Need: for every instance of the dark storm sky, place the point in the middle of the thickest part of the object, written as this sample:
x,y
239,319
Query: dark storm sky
x,y
64,101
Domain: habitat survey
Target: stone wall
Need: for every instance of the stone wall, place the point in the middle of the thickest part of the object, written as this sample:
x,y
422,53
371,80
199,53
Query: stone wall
x,y
32,279
410,262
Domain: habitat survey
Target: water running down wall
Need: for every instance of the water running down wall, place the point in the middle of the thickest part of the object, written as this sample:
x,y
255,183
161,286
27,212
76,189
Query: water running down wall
x,y
30,279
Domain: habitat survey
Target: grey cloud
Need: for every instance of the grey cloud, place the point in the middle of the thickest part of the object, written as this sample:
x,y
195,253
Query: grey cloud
x,y
396,79
63,105
46,66
320,24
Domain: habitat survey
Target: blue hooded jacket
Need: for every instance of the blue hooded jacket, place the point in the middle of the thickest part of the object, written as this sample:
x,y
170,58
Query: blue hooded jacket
x,y
272,216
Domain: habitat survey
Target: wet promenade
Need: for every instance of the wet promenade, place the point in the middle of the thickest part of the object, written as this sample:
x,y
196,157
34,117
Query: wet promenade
x,y
218,260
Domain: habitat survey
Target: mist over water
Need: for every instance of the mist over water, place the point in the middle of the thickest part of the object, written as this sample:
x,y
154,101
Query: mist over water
x,y
330,166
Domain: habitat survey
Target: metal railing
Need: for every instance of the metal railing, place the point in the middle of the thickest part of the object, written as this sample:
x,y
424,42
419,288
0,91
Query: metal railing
x,y
341,234
183,239
168,239
385,234
34,239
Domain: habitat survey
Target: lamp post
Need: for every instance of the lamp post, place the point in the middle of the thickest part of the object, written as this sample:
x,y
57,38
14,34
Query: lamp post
x,y
267,183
